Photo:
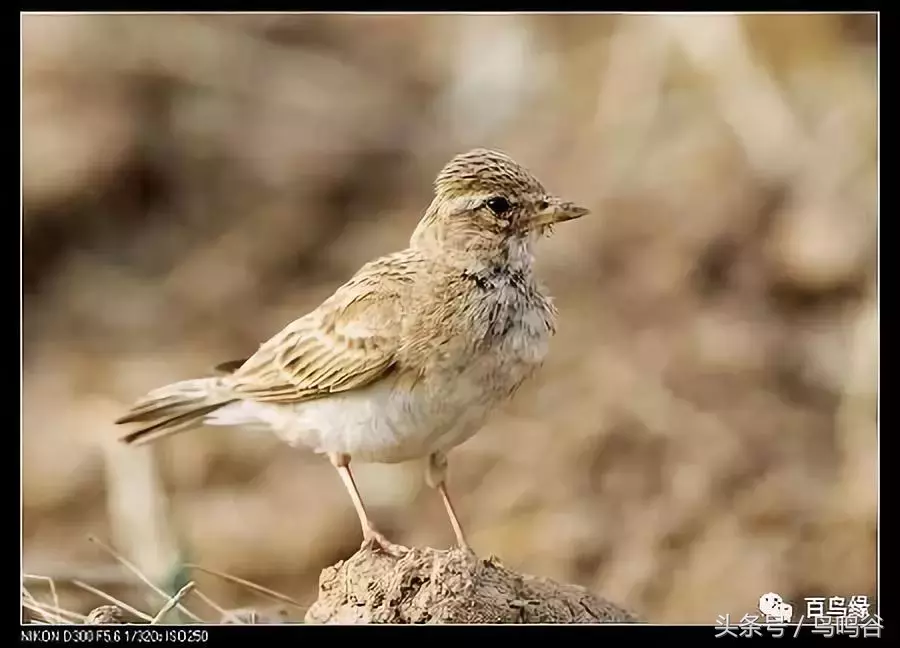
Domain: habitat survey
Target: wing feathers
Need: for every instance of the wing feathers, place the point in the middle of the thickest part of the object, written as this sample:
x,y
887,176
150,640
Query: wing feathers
x,y
348,342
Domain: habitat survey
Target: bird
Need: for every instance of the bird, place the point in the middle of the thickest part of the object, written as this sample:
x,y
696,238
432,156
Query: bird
x,y
407,359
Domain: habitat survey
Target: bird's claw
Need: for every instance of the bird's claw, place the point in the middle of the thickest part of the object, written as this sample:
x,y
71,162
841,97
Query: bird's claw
x,y
466,549
376,540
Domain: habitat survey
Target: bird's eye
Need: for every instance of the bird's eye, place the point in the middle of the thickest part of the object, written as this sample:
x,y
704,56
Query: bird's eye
x,y
498,205
542,205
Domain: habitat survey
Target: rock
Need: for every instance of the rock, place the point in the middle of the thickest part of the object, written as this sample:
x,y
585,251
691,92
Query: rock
x,y
433,586
105,615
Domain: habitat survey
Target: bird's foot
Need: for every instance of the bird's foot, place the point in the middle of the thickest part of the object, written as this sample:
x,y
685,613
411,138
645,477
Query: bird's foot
x,y
465,548
374,539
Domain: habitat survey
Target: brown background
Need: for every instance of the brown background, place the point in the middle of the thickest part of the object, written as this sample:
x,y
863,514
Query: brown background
x,y
705,428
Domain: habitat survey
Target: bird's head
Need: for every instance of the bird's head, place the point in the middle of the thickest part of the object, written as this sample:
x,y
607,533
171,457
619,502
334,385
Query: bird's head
x,y
485,203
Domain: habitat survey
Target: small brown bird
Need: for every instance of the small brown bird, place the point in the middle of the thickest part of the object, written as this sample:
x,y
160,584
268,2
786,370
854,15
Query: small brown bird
x,y
407,358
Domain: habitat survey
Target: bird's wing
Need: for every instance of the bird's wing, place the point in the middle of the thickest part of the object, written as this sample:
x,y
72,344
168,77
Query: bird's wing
x,y
347,342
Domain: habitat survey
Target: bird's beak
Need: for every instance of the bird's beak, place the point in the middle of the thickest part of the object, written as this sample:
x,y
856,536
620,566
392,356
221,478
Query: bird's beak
x,y
556,211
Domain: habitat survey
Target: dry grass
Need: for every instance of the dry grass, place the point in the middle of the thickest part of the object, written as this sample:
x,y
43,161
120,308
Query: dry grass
x,y
43,612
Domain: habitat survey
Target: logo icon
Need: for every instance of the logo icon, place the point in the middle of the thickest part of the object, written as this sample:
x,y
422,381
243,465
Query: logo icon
x,y
775,609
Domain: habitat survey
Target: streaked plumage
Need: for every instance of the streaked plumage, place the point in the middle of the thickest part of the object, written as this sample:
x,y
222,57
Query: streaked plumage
x,y
408,357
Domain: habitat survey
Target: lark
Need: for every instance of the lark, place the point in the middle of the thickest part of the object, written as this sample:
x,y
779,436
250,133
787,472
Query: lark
x,y
409,357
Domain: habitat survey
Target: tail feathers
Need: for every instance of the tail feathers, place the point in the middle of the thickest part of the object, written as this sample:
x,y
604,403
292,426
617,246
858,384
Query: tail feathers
x,y
174,408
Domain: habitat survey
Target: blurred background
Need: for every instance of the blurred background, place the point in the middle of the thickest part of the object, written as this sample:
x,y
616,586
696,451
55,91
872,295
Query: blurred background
x,y
704,430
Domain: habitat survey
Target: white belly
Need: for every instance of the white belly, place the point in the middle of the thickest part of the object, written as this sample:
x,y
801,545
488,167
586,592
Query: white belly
x,y
376,424
386,422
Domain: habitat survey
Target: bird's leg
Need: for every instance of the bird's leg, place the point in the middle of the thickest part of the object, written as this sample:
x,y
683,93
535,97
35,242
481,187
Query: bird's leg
x,y
436,476
371,536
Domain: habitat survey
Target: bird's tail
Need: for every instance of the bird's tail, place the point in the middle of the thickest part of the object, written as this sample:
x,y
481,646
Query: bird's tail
x,y
175,408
